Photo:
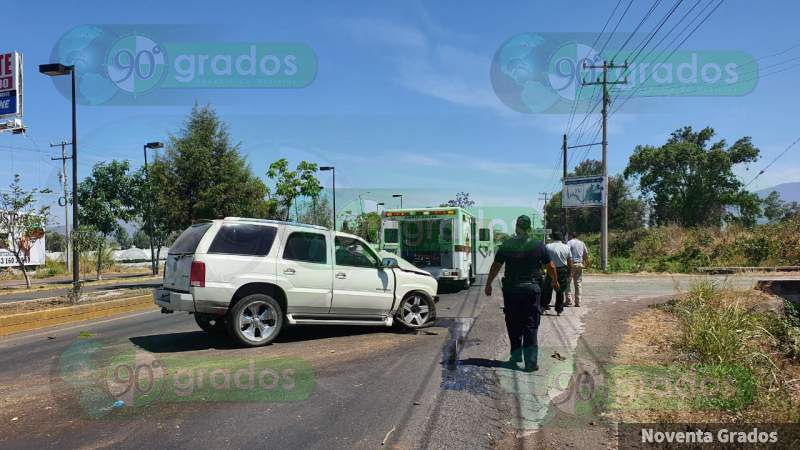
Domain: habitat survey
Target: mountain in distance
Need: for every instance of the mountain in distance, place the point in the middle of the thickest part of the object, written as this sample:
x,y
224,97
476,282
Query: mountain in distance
x,y
789,192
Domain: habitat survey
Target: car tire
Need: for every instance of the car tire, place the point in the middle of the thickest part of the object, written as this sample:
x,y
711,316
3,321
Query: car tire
x,y
417,310
211,324
255,320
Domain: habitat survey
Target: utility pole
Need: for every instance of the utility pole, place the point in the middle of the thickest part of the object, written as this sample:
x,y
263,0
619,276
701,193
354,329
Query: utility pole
x,y
563,180
543,196
606,101
63,179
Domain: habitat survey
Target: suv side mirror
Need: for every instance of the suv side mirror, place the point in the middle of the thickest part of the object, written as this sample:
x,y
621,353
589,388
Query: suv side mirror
x,y
389,263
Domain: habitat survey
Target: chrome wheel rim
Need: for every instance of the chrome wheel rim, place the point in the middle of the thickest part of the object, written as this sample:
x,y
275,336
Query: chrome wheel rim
x,y
415,311
257,321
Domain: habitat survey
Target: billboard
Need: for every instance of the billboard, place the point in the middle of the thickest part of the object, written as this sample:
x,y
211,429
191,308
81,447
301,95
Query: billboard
x,y
33,252
10,84
583,192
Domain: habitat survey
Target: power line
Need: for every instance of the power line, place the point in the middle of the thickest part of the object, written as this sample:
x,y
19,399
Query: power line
x,y
639,85
761,172
577,68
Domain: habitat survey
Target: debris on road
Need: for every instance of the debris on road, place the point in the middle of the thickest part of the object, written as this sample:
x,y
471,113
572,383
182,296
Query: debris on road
x,y
386,437
558,356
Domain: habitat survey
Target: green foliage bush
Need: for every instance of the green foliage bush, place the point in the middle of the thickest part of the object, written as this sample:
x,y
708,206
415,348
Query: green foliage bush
x,y
673,248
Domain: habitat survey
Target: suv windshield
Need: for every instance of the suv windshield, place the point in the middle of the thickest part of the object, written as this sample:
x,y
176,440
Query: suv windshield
x,y
188,240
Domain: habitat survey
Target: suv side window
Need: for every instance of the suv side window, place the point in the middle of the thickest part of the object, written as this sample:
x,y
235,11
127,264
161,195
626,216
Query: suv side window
x,y
307,247
352,252
243,239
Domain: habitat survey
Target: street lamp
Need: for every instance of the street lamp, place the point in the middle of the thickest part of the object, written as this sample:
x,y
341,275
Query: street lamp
x,y
333,172
55,70
152,146
401,199
361,201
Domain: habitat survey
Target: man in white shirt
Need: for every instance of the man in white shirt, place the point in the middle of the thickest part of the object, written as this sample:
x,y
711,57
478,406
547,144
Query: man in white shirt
x,y
579,255
562,259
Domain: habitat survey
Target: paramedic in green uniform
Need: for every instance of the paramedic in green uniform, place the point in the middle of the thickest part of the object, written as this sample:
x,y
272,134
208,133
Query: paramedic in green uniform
x,y
523,258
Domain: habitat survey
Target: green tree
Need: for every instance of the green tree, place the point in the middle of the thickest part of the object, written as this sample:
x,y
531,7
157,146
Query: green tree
x,y
625,212
123,238
690,181
367,226
462,200
55,242
291,184
22,223
777,210
140,239
106,198
317,211
201,175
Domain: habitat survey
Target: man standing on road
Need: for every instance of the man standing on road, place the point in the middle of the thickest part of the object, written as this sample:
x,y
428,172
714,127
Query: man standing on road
x,y
560,256
523,258
580,259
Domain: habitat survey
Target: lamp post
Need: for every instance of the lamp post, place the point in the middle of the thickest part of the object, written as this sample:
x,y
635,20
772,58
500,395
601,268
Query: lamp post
x,y
54,70
149,212
401,199
361,201
333,172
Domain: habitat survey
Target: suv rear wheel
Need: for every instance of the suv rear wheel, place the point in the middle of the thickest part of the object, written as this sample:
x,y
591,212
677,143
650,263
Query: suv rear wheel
x,y
215,325
256,320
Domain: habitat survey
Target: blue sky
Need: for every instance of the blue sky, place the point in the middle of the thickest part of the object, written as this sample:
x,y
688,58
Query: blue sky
x,y
402,100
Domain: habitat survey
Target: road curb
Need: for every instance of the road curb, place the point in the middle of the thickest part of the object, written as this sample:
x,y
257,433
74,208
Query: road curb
x,y
16,323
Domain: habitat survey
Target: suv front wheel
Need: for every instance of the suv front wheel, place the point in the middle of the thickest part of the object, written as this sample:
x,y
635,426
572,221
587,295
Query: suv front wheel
x,y
417,310
256,320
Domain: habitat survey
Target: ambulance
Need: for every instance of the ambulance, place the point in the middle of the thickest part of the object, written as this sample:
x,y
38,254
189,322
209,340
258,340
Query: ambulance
x,y
445,241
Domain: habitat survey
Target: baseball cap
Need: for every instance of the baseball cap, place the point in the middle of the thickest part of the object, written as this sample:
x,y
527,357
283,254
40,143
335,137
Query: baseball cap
x,y
524,222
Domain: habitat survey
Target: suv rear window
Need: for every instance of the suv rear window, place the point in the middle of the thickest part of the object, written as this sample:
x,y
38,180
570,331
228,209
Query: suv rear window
x,y
188,240
243,239
307,247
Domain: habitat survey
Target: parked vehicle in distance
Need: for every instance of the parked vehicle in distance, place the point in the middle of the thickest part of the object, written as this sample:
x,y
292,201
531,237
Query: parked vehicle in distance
x,y
250,277
443,241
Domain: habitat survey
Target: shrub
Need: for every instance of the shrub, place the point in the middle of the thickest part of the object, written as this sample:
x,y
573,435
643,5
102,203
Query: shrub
x,y
51,268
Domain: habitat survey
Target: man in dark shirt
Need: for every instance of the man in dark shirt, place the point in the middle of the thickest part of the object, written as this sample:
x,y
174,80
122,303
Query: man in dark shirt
x,y
523,258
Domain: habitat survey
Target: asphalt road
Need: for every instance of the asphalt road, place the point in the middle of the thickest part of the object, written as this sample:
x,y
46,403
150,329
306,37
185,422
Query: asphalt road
x,y
366,382
352,387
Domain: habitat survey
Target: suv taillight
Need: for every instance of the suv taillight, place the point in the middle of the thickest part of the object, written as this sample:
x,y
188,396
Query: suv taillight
x,y
197,276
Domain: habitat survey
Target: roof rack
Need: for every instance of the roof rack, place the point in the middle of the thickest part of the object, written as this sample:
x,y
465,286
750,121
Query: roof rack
x,y
275,222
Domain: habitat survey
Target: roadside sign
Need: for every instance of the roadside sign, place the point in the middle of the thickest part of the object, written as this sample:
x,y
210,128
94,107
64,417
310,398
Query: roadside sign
x,y
10,84
583,192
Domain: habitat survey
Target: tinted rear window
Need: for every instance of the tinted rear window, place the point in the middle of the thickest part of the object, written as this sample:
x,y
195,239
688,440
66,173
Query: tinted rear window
x,y
243,239
188,240
308,247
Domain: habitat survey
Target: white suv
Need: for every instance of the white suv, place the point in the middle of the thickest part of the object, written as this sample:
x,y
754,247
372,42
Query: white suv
x,y
250,276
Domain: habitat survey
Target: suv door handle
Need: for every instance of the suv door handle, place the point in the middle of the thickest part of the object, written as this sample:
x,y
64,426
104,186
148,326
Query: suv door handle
x,y
289,271
341,275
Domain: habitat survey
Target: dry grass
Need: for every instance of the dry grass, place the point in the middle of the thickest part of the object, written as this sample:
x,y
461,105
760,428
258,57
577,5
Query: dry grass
x,y
25,306
741,333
